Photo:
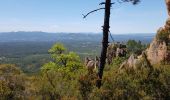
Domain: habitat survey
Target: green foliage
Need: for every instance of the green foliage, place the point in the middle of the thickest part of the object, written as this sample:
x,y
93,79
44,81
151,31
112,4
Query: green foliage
x,y
4,90
65,78
86,85
60,82
73,82
30,56
140,84
49,66
59,77
135,47
61,58
12,82
163,36
57,49
118,61
7,69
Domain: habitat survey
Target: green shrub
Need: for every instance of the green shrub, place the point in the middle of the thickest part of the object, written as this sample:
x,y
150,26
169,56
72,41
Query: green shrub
x,y
59,77
163,36
139,84
12,82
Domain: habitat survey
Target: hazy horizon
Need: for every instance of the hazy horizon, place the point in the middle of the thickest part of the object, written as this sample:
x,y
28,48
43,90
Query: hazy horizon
x,y
71,32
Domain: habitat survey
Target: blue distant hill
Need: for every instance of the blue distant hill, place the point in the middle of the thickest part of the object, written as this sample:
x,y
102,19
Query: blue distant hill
x,y
53,37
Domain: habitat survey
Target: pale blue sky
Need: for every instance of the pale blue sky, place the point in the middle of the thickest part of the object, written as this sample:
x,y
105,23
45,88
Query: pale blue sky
x,y
66,16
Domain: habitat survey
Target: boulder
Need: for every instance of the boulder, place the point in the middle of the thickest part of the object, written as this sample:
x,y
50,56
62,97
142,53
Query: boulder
x,y
134,63
115,50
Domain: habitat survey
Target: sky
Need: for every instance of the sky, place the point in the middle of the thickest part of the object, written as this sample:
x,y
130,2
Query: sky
x,y
66,16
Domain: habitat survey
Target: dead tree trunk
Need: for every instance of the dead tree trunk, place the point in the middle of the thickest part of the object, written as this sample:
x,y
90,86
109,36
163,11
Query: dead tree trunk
x,y
104,42
106,27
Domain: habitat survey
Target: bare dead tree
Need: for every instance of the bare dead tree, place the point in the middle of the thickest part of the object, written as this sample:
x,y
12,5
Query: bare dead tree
x,y
108,4
104,42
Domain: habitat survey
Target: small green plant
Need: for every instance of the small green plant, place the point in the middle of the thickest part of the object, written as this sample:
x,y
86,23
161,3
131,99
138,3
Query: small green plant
x,y
163,36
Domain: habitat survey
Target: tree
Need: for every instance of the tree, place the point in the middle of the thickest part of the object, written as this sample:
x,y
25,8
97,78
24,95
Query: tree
x,y
135,47
57,79
58,48
60,57
107,8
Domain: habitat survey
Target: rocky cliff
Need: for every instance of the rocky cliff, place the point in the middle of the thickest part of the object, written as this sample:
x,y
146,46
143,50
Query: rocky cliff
x,y
157,53
159,49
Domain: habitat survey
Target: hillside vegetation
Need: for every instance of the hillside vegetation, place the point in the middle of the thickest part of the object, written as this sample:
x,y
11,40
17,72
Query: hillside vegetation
x,y
66,77
29,50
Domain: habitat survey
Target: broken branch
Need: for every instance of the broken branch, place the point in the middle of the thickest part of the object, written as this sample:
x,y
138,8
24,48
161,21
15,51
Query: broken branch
x,y
102,3
84,16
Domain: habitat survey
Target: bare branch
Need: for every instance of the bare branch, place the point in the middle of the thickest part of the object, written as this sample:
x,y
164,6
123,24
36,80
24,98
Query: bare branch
x,y
84,16
134,2
102,3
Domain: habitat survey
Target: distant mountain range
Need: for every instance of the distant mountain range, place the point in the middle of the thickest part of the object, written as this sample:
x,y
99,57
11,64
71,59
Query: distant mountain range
x,y
59,37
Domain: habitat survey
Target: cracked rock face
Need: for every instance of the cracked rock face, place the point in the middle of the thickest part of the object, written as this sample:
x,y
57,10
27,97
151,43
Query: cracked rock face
x,y
159,50
134,63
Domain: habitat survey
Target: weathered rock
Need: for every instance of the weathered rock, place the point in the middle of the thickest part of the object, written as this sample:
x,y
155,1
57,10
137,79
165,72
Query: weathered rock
x,y
91,64
159,50
115,50
134,63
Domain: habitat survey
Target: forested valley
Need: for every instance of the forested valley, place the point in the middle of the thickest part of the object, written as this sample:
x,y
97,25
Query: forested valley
x,y
56,70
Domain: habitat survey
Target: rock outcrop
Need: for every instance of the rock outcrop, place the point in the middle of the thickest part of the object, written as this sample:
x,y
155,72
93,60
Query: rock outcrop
x,y
159,50
134,63
115,50
157,53
91,64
